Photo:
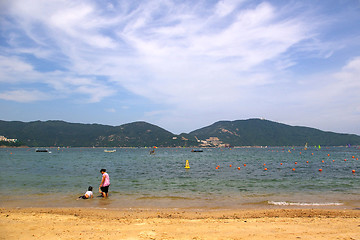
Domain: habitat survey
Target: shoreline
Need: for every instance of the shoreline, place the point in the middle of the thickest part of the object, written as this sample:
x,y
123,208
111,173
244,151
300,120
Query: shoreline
x,y
188,213
169,223
134,201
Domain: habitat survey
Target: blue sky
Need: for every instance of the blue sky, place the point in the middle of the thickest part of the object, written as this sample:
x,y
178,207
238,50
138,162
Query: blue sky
x,y
181,65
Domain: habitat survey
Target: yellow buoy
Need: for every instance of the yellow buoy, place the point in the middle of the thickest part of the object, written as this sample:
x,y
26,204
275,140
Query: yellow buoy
x,y
187,166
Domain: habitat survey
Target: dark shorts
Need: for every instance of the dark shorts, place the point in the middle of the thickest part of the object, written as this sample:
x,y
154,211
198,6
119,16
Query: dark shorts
x,y
105,189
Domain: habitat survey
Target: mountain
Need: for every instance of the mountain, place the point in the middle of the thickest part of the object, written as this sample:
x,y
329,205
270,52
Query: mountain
x,y
251,132
60,133
260,132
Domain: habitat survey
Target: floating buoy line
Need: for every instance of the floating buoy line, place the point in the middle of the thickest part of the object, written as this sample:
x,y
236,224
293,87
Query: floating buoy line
x,y
298,163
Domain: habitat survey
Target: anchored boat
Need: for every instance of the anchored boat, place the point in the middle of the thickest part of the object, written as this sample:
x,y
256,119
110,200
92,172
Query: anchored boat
x,y
110,151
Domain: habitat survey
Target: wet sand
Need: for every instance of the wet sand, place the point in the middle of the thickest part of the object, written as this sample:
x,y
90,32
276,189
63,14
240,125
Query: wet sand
x,y
92,223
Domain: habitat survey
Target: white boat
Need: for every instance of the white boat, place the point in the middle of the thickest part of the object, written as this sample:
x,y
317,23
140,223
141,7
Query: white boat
x,y
110,151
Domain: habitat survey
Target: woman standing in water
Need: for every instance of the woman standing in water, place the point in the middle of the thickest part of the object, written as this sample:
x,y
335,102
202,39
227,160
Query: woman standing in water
x,y
105,183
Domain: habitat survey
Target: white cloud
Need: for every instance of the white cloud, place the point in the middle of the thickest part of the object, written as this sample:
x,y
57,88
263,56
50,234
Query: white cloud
x,y
175,47
325,100
13,65
222,58
224,7
177,52
14,70
57,84
336,87
190,61
24,96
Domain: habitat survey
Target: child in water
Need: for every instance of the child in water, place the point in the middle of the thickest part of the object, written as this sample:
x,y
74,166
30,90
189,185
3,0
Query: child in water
x,y
105,183
88,194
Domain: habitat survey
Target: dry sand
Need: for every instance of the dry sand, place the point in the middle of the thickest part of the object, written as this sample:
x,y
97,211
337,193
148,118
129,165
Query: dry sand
x,y
86,223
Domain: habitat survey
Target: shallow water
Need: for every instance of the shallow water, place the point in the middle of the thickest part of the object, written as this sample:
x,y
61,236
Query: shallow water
x,y
138,179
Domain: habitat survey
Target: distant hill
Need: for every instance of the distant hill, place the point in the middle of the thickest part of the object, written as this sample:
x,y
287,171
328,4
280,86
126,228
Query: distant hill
x,y
258,132
60,133
251,132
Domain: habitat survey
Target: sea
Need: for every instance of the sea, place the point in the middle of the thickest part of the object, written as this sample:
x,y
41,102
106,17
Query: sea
x,y
218,178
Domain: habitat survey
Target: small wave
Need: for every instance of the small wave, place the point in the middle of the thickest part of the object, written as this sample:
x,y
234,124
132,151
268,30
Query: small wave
x,y
303,204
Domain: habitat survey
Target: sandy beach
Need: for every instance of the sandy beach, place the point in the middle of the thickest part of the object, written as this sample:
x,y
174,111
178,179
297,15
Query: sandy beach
x,y
89,223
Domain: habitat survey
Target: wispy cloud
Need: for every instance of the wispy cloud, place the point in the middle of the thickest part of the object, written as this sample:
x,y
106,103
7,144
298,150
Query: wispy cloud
x,y
212,55
24,96
161,49
57,84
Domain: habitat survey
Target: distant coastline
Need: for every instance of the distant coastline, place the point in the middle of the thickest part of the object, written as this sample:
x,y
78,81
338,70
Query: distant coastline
x,y
227,134
3,146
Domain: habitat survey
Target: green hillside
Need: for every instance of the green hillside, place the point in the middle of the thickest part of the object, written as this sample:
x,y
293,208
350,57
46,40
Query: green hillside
x,y
252,132
258,132
60,133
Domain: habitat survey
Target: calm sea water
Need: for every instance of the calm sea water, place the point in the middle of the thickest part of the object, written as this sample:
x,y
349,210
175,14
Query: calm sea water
x,y
141,180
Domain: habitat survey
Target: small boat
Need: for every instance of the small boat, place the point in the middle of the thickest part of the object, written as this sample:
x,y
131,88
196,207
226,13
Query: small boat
x,y
110,151
41,150
196,150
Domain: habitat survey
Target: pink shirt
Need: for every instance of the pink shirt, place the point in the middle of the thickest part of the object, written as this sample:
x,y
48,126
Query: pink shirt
x,y
107,180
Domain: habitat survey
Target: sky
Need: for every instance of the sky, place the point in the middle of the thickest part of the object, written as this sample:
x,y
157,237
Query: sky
x,y
181,65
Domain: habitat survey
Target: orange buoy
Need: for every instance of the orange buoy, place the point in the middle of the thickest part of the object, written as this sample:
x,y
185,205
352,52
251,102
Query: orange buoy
x,y
300,152
230,165
217,167
238,168
333,160
353,156
328,155
353,171
322,161
293,169
265,169
312,153
307,161
320,170
244,165
264,164
280,163
295,162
